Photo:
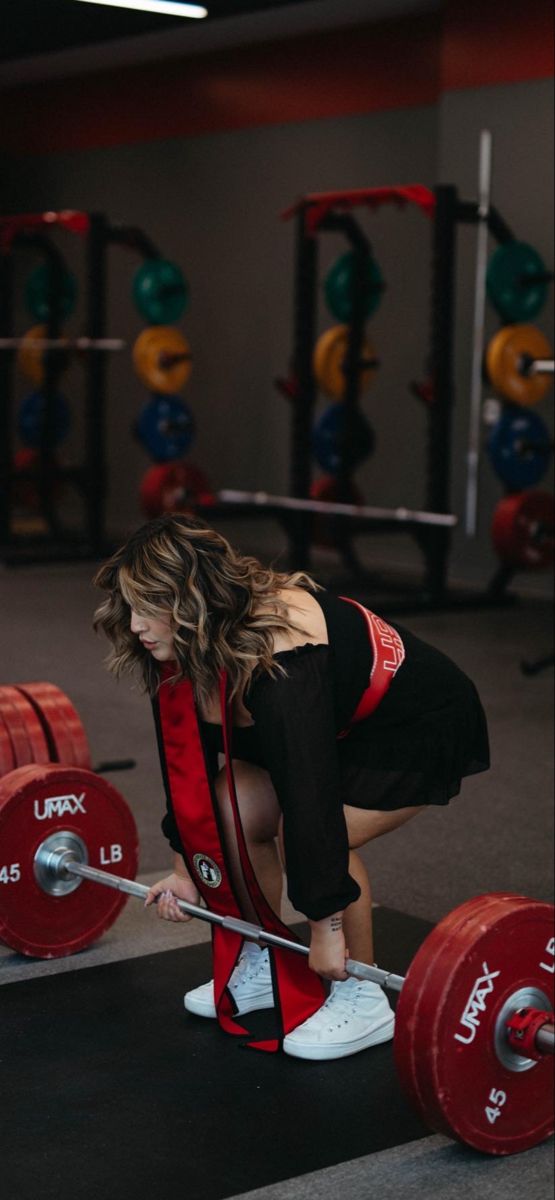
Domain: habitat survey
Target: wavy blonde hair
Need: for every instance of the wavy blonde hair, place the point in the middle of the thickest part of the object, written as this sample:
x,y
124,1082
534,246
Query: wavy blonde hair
x,y
223,607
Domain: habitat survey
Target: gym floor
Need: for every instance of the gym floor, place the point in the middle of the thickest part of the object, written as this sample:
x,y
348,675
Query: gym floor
x,y
99,1060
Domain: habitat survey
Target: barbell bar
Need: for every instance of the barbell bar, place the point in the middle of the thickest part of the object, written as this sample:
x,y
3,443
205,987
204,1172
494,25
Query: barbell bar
x,y
461,1035
57,858
535,366
331,508
63,343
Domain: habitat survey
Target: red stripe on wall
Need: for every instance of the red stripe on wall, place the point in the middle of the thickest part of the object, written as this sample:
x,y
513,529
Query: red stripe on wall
x,y
391,65
496,41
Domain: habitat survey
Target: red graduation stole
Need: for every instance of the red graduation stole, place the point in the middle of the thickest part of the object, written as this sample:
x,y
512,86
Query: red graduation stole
x,y
298,991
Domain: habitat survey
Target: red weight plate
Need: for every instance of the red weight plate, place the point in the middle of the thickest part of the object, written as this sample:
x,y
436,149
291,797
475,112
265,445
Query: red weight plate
x,y
65,734
7,760
11,712
407,1046
415,1054
327,488
47,695
523,530
33,726
448,1018
36,802
173,487
518,1110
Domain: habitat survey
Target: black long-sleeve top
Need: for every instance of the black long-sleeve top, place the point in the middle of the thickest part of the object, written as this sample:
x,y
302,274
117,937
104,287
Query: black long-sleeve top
x,y
427,732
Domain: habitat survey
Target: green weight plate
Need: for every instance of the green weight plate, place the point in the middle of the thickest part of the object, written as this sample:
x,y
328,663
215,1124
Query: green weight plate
x,y
516,281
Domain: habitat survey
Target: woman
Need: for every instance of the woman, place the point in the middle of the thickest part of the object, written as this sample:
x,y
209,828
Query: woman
x,y
320,726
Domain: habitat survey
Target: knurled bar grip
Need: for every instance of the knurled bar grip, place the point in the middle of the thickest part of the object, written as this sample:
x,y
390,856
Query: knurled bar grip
x,y
254,932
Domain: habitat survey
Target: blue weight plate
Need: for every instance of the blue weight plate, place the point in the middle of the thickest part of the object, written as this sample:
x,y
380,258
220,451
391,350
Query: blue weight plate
x,y
519,447
329,444
30,419
166,428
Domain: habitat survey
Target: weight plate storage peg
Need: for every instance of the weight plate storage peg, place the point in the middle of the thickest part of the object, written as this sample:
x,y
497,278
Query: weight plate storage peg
x,y
338,287
166,428
329,358
490,957
37,293
162,359
517,281
519,447
332,447
160,292
523,530
175,487
508,356
73,808
31,416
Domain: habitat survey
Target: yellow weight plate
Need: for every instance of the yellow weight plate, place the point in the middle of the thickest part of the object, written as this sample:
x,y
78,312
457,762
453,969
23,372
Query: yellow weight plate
x,y
30,357
31,354
329,358
507,351
162,359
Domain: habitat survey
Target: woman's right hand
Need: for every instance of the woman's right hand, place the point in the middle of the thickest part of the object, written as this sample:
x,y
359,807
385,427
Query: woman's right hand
x,y
164,893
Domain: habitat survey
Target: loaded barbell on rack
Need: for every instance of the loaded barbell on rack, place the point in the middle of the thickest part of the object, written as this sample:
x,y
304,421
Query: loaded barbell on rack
x,y
33,347
474,1025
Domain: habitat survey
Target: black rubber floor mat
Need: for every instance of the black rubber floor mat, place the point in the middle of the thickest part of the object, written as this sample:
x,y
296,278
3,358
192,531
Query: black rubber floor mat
x,y
110,1089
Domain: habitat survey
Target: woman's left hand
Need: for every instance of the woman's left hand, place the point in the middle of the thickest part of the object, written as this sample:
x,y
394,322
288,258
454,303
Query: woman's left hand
x,y
328,952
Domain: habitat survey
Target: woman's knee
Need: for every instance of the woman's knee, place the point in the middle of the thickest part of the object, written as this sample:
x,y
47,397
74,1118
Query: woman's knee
x,y
364,825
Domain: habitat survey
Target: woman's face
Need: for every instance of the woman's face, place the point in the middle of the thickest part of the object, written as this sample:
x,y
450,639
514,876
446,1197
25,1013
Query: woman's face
x,y
155,634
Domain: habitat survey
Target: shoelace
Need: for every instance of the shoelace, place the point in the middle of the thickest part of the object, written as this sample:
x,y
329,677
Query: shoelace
x,y
339,1006
248,970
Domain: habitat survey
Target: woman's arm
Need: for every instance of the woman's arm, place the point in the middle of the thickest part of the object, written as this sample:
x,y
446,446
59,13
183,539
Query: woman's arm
x,y
295,724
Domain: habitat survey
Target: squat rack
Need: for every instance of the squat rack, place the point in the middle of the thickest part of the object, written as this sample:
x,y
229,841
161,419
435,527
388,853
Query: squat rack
x,y
30,231
318,213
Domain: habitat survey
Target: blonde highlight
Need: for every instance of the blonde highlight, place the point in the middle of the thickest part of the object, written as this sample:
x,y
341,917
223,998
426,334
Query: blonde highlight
x,y
224,607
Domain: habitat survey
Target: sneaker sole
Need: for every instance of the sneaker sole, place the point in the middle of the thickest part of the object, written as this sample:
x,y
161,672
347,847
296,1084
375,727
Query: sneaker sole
x,y
317,1052
204,1010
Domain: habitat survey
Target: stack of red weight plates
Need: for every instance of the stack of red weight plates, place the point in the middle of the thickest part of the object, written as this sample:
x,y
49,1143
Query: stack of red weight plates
x,y
38,724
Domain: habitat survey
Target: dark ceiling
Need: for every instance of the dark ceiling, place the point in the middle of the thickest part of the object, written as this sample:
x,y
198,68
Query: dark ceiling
x,y
32,27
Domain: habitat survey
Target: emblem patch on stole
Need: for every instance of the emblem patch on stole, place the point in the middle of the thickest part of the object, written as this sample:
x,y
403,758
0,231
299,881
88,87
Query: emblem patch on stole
x,y
207,870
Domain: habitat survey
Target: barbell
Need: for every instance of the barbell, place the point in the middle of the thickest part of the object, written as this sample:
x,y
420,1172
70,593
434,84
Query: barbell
x,y
62,343
474,1023
32,347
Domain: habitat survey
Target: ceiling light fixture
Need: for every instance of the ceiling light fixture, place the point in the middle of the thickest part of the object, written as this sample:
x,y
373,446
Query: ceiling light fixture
x,y
170,8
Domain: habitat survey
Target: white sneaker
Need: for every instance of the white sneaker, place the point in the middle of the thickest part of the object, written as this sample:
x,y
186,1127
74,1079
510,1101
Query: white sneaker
x,y
355,1015
250,985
